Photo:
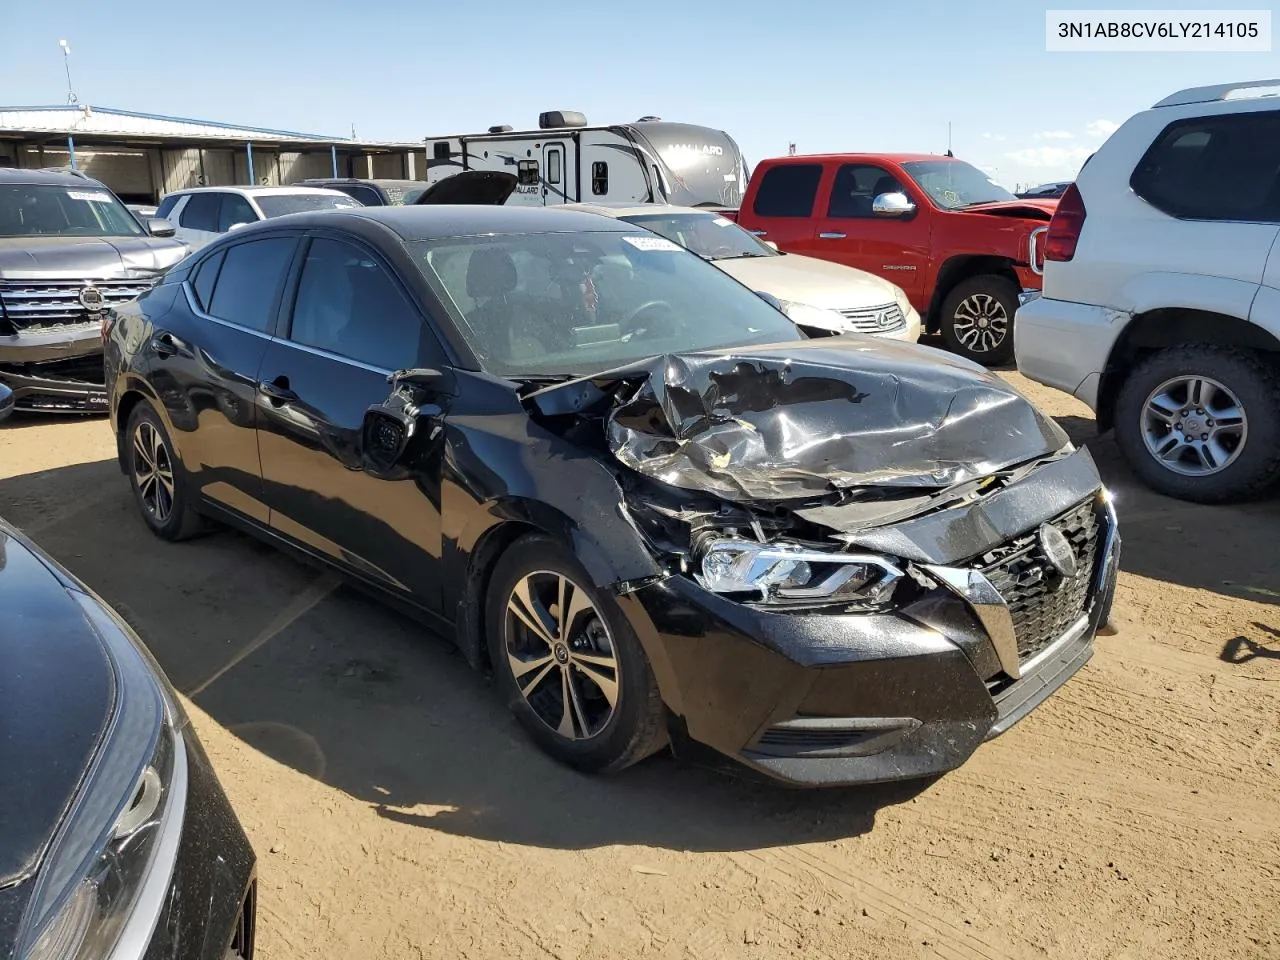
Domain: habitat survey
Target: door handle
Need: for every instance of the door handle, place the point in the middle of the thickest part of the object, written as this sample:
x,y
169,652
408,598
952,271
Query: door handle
x,y
758,233
277,390
165,344
831,236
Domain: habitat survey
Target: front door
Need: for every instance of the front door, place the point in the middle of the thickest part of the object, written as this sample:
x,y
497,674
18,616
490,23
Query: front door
x,y
555,175
850,233
350,325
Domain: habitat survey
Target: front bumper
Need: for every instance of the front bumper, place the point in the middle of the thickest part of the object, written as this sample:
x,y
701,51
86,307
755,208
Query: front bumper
x,y
55,371
210,908
823,700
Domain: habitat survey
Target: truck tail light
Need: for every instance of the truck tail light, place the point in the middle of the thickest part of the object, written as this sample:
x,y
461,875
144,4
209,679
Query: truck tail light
x,y
1064,228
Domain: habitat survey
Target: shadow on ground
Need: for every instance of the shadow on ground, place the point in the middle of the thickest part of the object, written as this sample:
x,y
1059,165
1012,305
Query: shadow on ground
x,y
331,683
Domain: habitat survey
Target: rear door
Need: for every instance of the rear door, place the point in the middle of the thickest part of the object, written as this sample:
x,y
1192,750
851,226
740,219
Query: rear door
x,y
783,205
848,232
204,357
351,324
198,219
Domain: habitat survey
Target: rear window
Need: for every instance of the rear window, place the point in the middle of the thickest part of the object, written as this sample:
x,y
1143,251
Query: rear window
x,y
282,204
1215,168
788,190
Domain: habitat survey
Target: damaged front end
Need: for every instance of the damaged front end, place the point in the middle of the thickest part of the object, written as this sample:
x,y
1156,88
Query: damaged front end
x,y
914,556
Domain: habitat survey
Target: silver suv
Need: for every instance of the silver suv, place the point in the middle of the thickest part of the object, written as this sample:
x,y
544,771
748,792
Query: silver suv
x,y
69,251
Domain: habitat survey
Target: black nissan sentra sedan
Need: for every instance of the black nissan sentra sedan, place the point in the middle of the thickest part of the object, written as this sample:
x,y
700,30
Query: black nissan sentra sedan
x,y
115,838
619,478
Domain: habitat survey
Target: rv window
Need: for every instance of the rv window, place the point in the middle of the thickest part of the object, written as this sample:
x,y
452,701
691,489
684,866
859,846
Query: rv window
x,y
600,178
553,166
527,173
441,150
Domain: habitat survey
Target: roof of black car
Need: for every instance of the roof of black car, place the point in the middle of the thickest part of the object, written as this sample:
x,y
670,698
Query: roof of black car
x,y
54,177
436,221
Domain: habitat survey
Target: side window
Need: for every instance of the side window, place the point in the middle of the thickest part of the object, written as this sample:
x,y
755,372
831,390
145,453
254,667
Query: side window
x,y
600,178
248,284
527,173
440,150
788,190
235,209
1214,168
166,207
554,160
349,305
205,276
201,212
366,195
856,186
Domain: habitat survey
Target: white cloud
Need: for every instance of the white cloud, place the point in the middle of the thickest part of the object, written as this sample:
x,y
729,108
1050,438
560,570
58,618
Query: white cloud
x,y
1055,135
1102,128
993,136
1065,160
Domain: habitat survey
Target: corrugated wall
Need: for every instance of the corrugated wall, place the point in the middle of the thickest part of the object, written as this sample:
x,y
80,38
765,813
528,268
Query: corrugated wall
x,y
295,166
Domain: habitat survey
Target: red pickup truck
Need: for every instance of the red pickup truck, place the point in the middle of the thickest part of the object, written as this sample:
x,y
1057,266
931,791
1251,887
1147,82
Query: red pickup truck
x,y
958,244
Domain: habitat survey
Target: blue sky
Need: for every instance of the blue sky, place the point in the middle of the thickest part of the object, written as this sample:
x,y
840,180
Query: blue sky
x,y
824,75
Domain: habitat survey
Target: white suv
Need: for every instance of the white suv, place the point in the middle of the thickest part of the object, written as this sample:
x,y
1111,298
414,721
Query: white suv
x,y
1161,299
202,214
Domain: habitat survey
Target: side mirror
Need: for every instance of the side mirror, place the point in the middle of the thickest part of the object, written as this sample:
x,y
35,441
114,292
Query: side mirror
x,y
771,245
390,427
892,205
159,227
236,226
424,378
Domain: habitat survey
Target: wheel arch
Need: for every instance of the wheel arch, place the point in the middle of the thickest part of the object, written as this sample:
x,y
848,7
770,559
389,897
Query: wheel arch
x,y
1170,327
959,268
134,392
504,522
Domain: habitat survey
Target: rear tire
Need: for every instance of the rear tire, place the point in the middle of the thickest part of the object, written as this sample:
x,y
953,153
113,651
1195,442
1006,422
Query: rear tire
x,y
977,319
585,692
159,482
1211,457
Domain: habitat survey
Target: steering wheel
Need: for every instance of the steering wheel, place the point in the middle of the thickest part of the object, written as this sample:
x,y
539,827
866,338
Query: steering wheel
x,y
635,325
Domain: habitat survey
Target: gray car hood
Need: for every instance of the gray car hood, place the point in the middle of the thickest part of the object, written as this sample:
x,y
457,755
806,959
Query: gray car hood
x,y
803,420
86,258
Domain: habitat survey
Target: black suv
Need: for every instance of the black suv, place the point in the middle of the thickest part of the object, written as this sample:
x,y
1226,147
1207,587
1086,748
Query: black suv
x,y
373,193
69,251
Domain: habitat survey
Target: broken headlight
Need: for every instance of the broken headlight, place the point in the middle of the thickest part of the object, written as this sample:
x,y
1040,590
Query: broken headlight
x,y
784,573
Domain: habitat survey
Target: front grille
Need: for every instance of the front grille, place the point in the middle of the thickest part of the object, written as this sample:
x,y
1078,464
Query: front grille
x,y
883,319
1042,602
33,305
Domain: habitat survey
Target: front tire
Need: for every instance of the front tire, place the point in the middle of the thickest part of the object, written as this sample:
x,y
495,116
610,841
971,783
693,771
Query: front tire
x,y
977,319
567,661
159,483
1202,423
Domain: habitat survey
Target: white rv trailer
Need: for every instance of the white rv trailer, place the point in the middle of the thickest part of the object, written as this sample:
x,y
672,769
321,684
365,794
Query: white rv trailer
x,y
568,161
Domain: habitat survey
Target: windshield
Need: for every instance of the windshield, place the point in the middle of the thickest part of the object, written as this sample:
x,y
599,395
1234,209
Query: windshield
x,y
573,304
49,210
281,204
709,236
953,184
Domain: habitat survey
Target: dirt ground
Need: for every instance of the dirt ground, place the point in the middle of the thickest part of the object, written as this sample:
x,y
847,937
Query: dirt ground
x,y
398,811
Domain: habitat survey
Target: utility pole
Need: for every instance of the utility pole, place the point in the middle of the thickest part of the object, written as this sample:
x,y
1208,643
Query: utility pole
x,y
66,62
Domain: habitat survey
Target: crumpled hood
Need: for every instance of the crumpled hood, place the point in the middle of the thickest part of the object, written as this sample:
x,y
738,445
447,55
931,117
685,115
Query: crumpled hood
x,y
1026,209
802,420
86,258
808,280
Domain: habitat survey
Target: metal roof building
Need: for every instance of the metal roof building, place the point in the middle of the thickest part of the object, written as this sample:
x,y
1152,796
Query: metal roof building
x,y
142,156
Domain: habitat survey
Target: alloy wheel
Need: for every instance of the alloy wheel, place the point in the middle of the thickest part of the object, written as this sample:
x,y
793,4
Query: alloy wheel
x,y
1194,426
561,655
980,322
153,472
